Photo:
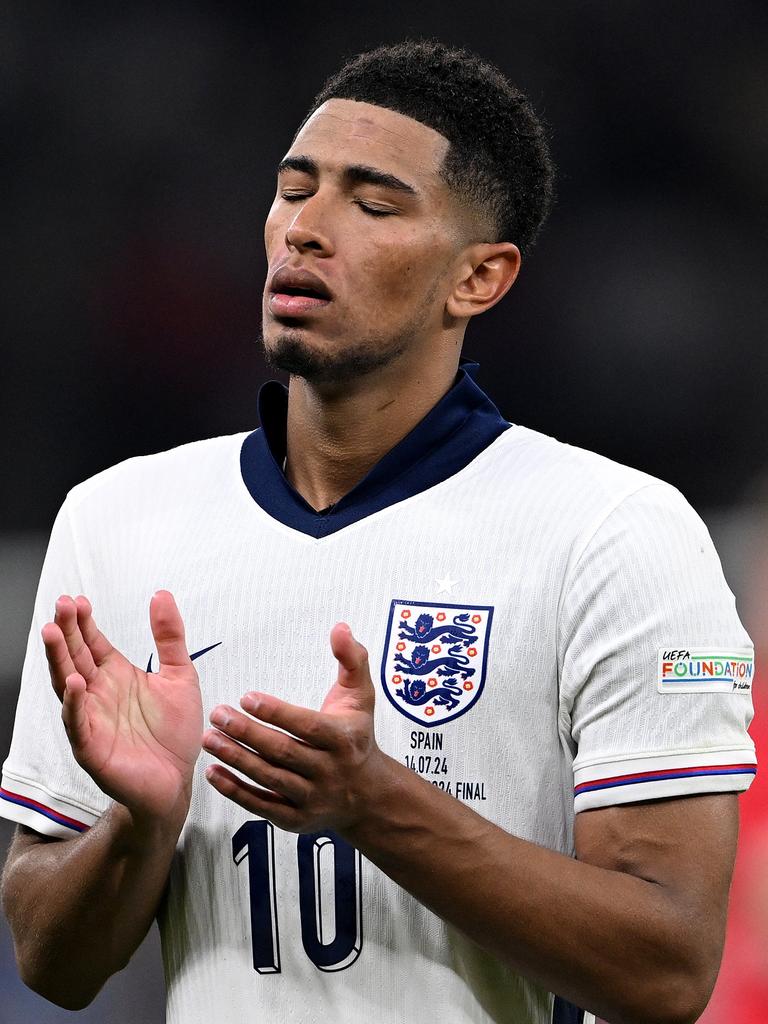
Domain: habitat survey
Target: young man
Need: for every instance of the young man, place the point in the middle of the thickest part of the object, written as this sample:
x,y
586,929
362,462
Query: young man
x,y
537,619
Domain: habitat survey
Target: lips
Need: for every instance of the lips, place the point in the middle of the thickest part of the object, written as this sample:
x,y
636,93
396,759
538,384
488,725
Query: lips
x,y
295,291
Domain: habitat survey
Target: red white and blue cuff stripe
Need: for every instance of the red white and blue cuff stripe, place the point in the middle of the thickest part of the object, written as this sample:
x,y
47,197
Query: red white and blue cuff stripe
x,y
29,804
604,783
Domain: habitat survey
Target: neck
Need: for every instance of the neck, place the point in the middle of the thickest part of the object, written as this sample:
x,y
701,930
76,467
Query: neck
x,y
336,435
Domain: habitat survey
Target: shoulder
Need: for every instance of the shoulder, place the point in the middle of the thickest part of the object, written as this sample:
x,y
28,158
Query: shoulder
x,y
193,468
574,489
540,455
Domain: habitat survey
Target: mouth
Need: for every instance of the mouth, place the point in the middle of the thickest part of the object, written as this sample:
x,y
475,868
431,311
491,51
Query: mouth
x,y
296,302
295,292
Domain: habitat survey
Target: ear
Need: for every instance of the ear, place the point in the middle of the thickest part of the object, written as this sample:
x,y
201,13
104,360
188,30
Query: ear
x,y
487,272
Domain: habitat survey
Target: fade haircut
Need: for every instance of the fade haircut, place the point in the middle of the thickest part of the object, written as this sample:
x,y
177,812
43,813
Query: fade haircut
x,y
498,160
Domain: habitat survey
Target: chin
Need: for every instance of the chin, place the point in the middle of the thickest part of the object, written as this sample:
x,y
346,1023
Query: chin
x,y
291,351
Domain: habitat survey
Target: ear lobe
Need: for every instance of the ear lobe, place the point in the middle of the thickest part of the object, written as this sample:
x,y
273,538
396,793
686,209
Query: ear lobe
x,y
490,272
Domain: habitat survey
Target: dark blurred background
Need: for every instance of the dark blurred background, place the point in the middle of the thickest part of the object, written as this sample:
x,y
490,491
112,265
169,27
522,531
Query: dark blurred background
x,y
138,157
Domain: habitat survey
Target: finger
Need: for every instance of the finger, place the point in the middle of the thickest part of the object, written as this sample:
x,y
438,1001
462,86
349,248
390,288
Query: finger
x,y
168,631
314,728
351,655
287,784
66,618
57,654
258,801
354,672
98,644
277,748
73,712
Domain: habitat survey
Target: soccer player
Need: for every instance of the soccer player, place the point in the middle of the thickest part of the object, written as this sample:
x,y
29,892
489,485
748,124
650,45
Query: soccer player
x,y
553,664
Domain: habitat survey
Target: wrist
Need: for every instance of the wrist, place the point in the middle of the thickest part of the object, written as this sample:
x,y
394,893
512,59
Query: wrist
x,y
142,827
383,791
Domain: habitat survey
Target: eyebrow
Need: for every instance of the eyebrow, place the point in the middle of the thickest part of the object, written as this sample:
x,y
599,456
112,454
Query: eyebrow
x,y
354,174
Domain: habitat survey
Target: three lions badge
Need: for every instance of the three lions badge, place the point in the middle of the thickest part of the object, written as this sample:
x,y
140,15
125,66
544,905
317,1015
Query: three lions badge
x,y
433,668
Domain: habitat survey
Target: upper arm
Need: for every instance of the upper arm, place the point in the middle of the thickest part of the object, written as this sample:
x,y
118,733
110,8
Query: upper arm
x,y
685,846
42,785
25,838
24,841
655,666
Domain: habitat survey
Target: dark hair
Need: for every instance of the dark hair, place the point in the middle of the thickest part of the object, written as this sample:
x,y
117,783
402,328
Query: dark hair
x,y
498,157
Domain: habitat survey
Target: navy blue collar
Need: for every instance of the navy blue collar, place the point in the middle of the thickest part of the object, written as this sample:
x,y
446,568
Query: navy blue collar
x,y
462,424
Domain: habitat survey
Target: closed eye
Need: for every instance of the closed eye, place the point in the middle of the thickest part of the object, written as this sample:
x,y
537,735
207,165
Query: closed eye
x,y
374,211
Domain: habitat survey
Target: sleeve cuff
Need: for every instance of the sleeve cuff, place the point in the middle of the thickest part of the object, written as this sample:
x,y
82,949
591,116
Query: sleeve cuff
x,y
36,807
653,776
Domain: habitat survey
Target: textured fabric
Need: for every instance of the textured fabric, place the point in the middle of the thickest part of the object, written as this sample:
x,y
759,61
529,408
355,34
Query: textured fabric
x,y
578,573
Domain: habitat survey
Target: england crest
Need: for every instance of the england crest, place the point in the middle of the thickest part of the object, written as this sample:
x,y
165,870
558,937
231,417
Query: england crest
x,y
435,656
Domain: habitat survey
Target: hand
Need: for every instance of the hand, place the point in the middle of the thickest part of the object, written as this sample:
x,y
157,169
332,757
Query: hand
x,y
136,734
321,775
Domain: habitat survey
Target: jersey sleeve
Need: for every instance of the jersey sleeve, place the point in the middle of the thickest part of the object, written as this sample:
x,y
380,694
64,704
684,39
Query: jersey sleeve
x,y
42,785
655,666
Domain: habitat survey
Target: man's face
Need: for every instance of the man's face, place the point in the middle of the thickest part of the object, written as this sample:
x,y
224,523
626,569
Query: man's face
x,y
363,220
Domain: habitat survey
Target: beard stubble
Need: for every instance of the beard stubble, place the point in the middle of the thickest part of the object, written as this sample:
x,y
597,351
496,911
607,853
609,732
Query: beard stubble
x,y
289,351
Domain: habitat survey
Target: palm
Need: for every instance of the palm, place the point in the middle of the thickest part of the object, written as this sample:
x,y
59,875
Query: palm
x,y
144,732
137,734
341,702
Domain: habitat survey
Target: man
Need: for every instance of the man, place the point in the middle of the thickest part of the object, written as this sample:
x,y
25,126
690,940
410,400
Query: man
x,y
539,620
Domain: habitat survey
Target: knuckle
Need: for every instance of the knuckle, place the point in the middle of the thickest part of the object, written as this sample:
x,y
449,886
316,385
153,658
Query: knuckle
x,y
285,753
348,738
312,731
237,755
261,772
301,793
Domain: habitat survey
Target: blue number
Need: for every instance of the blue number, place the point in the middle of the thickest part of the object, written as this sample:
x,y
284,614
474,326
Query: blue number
x,y
255,840
331,925
331,928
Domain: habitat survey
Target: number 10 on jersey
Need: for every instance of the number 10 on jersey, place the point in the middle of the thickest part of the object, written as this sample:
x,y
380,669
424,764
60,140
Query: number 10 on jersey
x,y
330,903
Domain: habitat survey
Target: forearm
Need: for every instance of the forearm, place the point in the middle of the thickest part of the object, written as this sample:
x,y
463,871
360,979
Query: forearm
x,y
79,908
609,941
633,930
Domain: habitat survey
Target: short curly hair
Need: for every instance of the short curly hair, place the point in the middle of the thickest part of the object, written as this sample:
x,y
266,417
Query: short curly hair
x,y
498,159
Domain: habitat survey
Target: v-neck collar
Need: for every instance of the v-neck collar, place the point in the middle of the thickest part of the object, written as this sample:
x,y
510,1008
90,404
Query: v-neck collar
x,y
460,426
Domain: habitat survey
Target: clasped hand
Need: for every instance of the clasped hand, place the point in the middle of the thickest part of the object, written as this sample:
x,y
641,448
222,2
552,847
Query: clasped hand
x,y
319,775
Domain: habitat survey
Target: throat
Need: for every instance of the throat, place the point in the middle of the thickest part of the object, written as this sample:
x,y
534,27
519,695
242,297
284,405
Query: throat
x,y
326,510
334,439
322,486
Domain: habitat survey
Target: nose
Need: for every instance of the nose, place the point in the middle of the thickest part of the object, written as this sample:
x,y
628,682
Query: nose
x,y
308,229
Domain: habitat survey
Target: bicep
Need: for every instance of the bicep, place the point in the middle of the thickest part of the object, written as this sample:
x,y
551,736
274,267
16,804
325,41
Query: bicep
x,y
25,841
686,846
24,838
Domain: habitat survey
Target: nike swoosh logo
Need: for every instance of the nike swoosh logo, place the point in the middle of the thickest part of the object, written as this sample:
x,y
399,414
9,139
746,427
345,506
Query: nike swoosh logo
x,y
193,657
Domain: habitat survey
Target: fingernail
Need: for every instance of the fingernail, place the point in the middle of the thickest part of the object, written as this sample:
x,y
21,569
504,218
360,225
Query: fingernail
x,y
211,741
219,717
250,701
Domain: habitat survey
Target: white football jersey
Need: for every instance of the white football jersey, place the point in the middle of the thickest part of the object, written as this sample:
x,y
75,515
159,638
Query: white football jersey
x,y
548,631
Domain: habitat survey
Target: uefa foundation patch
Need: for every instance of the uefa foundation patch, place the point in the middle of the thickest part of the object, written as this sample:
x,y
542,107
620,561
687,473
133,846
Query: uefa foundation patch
x,y
703,670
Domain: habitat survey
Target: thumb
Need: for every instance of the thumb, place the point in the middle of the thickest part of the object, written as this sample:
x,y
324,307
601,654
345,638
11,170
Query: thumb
x,y
168,630
354,673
